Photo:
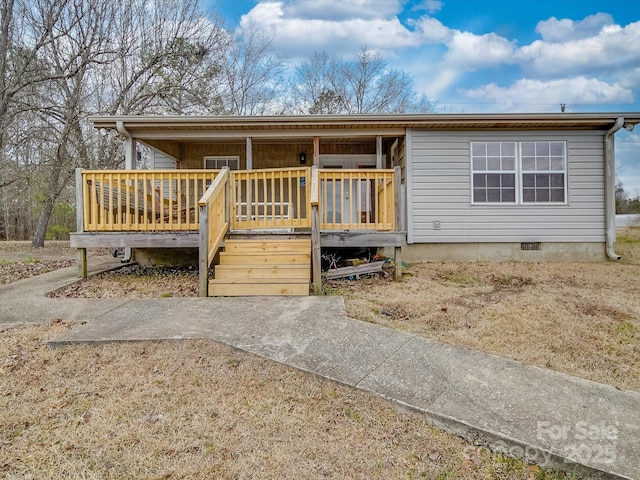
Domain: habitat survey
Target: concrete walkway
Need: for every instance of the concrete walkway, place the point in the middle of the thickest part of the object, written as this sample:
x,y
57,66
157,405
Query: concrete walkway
x,y
552,419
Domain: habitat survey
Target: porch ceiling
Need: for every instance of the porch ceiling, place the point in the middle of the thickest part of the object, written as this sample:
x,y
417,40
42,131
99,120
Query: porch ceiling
x,y
344,127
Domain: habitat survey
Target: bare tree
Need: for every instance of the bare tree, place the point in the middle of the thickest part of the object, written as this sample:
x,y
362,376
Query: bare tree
x,y
251,75
330,85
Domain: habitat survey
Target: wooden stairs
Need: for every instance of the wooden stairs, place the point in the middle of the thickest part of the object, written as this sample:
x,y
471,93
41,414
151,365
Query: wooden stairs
x,y
263,267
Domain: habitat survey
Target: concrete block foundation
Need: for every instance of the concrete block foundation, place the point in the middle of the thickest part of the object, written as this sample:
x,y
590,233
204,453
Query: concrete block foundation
x,y
499,252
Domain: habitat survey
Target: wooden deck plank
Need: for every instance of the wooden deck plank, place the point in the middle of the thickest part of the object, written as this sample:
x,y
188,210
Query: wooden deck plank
x,y
256,289
236,272
227,258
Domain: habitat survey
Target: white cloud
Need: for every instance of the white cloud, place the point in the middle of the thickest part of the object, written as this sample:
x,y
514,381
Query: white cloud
x,y
431,30
431,6
470,51
554,30
338,10
538,95
614,47
299,28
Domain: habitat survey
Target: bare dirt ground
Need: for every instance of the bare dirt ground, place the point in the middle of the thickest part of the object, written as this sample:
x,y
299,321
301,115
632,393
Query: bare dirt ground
x,y
18,260
199,410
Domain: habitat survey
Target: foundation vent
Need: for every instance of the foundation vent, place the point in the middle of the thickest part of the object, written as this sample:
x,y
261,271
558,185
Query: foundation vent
x,y
530,246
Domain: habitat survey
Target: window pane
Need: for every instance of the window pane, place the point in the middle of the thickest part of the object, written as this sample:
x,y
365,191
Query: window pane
x,y
557,180
557,163
508,163
542,163
528,195
479,195
528,149
493,195
542,195
542,149
479,180
493,180
508,149
528,180
542,180
478,149
508,180
528,163
479,164
509,195
557,195
557,148
493,149
493,163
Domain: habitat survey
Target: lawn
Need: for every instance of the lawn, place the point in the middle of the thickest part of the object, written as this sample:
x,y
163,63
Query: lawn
x,y
579,318
200,410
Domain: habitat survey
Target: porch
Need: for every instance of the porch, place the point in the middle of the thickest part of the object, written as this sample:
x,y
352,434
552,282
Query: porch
x,y
289,214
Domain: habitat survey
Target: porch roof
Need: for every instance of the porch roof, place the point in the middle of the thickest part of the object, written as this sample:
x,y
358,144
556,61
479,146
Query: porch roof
x,y
184,128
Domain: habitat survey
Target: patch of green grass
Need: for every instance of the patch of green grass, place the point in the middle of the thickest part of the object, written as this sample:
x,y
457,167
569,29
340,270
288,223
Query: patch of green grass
x,y
31,259
4,261
627,332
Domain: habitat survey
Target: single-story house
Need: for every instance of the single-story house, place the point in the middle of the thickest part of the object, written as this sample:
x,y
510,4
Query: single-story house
x,y
426,187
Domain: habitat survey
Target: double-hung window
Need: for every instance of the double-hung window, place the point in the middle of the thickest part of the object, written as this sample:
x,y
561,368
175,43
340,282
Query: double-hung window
x,y
494,172
519,172
543,172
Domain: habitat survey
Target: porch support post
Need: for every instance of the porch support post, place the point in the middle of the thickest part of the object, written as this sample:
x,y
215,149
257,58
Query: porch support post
x,y
249,151
397,251
81,257
203,251
248,166
316,151
379,152
316,261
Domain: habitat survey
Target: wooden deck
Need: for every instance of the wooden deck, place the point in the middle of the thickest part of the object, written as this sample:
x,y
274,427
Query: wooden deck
x,y
200,208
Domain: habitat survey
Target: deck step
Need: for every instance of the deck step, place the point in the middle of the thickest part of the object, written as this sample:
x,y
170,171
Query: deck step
x,y
265,258
259,246
254,289
263,267
236,272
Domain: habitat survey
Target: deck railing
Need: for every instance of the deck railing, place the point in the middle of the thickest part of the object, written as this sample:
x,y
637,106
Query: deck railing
x,y
273,199
143,200
214,216
270,199
357,199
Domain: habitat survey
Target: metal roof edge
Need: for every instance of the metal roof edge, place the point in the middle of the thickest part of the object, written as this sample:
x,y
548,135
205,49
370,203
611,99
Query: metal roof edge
x,y
404,120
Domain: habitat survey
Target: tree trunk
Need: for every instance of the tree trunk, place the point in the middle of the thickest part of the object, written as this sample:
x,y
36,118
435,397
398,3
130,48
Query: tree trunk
x,y
43,223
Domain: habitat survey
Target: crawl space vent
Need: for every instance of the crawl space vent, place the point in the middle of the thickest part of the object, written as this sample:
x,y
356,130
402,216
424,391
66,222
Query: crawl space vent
x,y
529,246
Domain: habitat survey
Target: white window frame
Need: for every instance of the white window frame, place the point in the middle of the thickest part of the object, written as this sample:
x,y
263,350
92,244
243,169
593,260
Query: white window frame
x,y
222,161
492,171
520,172
550,171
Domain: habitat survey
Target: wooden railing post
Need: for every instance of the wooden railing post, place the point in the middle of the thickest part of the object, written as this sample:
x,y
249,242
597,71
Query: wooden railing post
x,y
316,259
203,251
397,254
81,254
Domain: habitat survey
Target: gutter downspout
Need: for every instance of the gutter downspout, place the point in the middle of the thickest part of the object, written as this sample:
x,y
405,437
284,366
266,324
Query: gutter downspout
x,y
610,188
129,158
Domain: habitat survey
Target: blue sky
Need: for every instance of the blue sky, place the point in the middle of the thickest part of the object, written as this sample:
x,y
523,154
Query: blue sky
x,y
478,55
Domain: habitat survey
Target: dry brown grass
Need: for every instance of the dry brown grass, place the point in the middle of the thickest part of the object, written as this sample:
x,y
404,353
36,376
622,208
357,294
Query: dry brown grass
x,y
199,410
579,318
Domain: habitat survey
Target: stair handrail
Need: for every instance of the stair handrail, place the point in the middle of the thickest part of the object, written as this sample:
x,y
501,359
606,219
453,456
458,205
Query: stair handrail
x,y
213,209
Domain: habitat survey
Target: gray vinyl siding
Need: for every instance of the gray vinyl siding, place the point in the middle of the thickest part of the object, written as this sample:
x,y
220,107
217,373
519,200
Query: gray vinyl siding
x,y
440,176
161,161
